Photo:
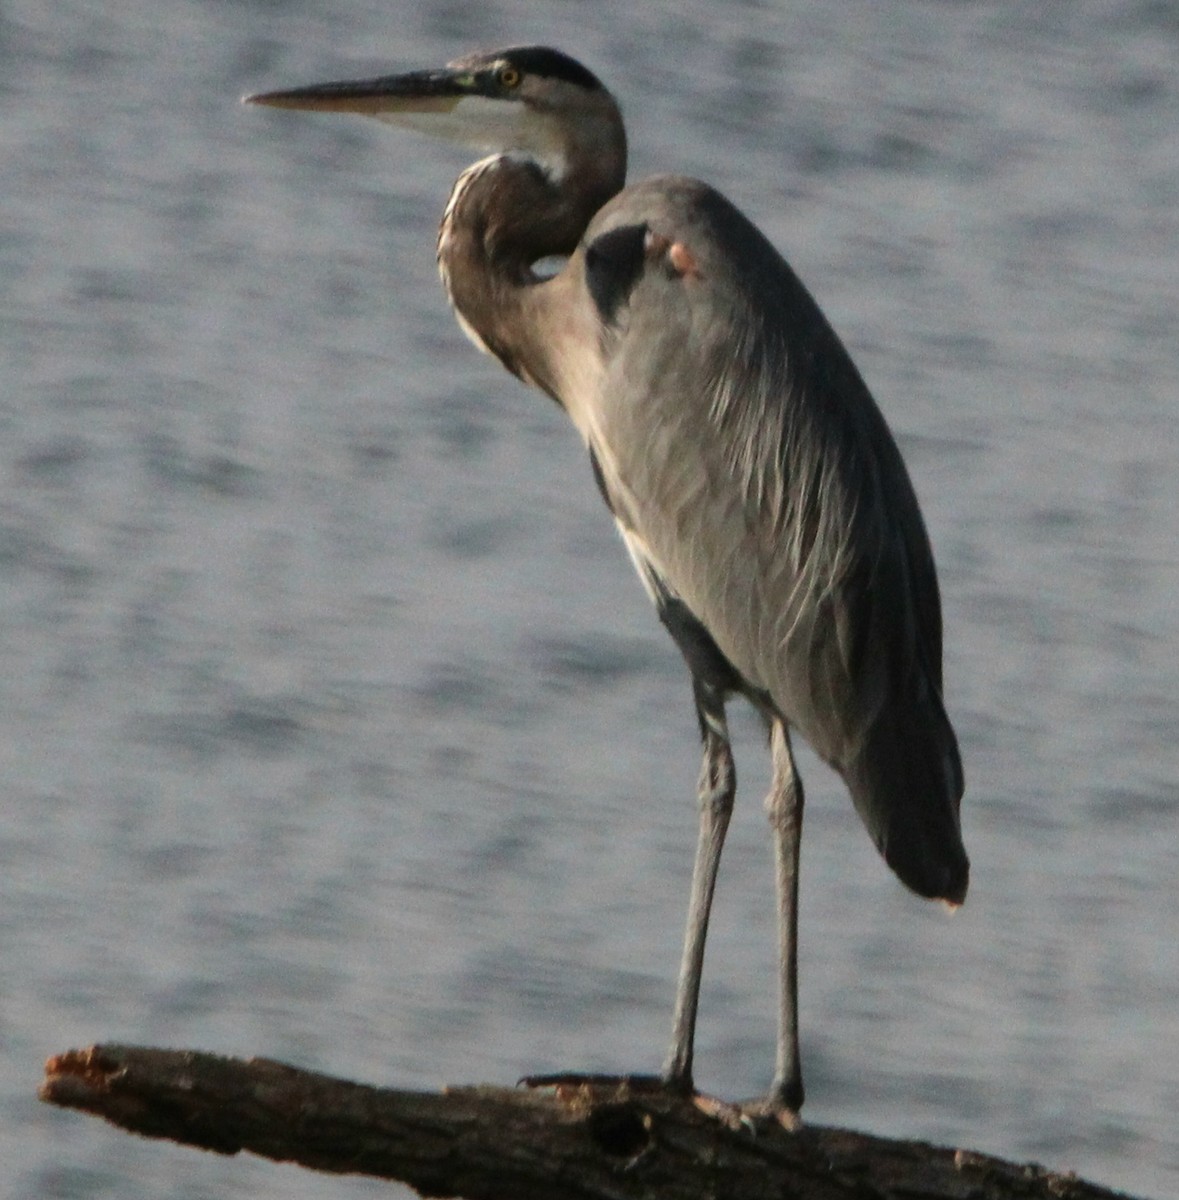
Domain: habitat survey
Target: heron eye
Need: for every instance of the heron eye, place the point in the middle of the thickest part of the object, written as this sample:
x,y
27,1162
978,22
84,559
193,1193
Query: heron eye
x,y
509,77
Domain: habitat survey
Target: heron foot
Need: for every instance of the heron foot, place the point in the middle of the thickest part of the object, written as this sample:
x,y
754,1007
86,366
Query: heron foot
x,y
632,1083
770,1110
745,1116
731,1116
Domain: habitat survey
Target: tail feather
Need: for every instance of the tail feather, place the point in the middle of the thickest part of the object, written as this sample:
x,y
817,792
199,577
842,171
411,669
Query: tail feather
x,y
907,785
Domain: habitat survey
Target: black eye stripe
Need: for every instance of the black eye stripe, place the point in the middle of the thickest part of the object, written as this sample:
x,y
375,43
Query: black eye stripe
x,y
550,64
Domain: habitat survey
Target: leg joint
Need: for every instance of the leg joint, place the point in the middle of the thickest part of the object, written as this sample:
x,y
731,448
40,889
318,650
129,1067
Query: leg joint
x,y
784,805
718,776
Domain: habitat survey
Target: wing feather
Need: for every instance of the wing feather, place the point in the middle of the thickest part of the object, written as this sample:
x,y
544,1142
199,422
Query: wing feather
x,y
742,450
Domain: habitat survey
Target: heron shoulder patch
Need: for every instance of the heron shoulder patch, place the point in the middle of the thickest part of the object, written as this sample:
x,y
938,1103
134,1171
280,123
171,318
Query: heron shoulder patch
x,y
614,261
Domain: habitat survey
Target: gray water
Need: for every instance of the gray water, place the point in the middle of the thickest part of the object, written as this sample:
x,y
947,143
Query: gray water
x,y
335,727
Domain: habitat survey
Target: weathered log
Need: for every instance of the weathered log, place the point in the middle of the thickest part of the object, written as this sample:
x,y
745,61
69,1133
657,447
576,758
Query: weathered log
x,y
595,1140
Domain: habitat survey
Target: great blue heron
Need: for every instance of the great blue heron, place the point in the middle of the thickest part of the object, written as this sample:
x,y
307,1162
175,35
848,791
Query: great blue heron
x,y
752,477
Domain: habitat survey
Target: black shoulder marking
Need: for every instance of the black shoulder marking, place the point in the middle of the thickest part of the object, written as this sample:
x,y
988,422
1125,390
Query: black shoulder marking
x,y
613,263
704,657
706,660
599,478
551,64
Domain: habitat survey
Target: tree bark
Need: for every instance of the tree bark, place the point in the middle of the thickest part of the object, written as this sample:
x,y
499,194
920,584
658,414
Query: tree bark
x,y
574,1140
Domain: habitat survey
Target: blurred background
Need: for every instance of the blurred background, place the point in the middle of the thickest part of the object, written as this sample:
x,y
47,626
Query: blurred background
x,y
335,727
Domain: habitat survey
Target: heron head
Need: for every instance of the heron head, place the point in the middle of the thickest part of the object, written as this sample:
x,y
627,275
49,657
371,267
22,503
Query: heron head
x,y
529,101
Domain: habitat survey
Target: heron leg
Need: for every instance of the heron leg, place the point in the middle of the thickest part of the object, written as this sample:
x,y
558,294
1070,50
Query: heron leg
x,y
718,785
784,806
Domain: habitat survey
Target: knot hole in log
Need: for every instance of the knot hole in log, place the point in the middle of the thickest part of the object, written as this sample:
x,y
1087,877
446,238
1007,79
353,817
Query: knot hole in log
x,y
620,1130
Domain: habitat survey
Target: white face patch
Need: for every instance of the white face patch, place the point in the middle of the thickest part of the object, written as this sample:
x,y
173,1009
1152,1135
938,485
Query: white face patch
x,y
489,126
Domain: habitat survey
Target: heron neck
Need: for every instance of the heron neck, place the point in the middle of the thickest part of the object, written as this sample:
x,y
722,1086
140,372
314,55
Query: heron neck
x,y
504,215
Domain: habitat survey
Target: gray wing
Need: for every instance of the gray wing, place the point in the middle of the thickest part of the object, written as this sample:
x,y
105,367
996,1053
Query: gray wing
x,y
755,478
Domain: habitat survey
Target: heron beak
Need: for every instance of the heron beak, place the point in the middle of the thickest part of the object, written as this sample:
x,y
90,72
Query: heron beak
x,y
453,103
386,96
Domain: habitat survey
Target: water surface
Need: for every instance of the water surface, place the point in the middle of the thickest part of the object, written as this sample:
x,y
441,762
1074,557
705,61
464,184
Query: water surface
x,y
335,726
